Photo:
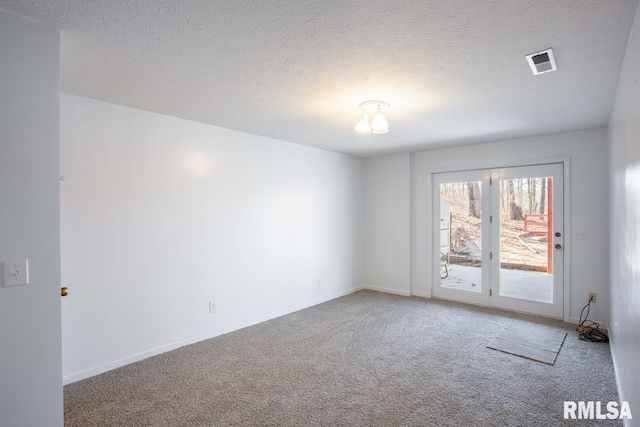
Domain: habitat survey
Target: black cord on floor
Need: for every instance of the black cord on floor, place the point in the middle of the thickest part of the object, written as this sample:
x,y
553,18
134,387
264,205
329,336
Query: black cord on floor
x,y
590,331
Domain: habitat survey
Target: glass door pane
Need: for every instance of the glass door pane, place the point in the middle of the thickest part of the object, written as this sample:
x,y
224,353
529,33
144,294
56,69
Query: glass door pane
x,y
461,235
526,231
461,228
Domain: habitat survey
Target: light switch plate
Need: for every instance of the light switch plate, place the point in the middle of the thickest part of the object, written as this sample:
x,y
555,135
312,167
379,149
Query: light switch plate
x,y
15,273
580,234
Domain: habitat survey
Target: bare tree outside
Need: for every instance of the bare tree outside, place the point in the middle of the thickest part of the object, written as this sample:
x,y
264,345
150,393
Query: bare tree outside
x,y
515,211
543,195
474,194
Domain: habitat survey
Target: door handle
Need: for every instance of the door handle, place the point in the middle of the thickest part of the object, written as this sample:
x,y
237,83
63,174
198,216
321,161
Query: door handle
x,y
558,246
64,291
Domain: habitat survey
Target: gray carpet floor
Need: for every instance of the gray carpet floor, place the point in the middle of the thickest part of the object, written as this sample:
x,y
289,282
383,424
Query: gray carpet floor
x,y
367,359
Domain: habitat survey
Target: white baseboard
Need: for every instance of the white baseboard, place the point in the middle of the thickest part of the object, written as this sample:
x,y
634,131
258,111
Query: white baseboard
x,y
603,325
77,376
574,320
88,373
616,373
387,290
421,294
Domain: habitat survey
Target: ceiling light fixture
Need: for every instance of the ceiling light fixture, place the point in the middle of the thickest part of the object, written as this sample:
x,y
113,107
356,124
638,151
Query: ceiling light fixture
x,y
379,124
363,125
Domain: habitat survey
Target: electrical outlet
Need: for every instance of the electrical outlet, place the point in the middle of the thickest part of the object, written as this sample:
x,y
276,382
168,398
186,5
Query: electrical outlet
x,y
592,297
212,307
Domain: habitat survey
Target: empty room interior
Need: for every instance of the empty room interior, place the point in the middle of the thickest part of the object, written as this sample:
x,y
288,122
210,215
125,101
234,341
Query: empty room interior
x,y
248,212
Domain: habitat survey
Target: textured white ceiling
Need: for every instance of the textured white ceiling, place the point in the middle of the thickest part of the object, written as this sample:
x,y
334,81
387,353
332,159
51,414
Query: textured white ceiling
x,y
453,71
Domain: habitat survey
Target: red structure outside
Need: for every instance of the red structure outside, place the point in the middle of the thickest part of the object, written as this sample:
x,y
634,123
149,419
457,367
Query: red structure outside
x,y
528,223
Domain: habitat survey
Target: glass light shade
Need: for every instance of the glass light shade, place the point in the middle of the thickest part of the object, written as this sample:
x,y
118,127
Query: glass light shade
x,y
363,124
379,124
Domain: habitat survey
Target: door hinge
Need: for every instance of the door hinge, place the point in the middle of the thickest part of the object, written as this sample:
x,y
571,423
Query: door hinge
x,y
490,292
490,218
490,181
490,255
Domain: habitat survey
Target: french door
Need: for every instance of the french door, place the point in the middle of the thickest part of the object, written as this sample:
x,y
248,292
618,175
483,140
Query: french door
x,y
498,238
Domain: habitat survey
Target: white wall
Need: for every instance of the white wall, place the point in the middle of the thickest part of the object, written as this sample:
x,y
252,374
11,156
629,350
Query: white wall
x,y
30,365
587,151
160,216
624,143
388,224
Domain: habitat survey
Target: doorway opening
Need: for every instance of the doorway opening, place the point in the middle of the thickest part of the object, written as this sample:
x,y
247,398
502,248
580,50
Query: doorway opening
x,y
499,237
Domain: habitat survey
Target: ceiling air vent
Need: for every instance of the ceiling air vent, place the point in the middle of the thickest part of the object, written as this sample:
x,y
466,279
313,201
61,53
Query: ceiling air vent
x,y
542,62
